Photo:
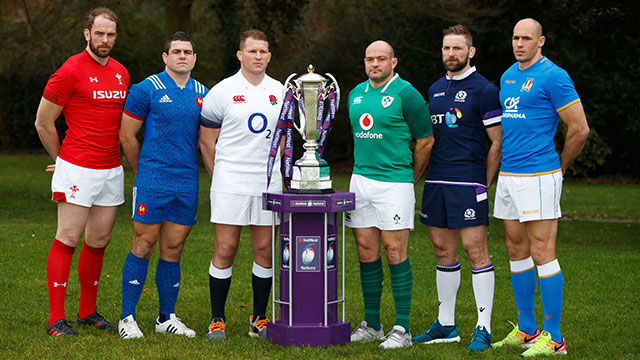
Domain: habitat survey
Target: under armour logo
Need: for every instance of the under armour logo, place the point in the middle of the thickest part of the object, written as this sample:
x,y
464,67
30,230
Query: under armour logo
x,y
56,284
481,309
93,79
95,283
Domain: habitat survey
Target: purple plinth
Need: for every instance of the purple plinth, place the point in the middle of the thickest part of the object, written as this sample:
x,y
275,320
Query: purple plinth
x,y
308,239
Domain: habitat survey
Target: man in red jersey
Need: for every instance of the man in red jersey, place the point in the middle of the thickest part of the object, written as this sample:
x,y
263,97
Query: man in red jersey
x,y
88,181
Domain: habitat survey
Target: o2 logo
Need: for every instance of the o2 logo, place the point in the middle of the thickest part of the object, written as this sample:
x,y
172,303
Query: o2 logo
x,y
256,126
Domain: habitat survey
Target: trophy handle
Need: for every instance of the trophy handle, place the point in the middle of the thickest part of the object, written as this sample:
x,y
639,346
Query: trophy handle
x,y
337,87
288,85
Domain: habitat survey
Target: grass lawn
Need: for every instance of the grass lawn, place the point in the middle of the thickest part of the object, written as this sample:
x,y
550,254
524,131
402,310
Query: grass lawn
x,y
600,262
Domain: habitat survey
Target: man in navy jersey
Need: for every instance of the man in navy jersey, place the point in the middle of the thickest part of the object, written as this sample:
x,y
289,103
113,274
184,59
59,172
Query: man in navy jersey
x,y
534,93
165,194
465,110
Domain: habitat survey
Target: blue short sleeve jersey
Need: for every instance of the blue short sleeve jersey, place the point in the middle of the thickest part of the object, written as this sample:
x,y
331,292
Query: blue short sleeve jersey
x,y
461,109
531,100
169,156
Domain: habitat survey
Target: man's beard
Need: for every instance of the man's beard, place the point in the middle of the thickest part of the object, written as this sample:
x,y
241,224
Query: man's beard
x,y
459,66
102,53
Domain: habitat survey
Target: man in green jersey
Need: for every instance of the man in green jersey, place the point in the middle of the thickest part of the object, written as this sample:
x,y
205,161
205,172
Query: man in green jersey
x,y
386,114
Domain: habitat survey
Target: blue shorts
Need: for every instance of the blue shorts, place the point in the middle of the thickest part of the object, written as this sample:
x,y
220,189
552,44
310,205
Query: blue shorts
x,y
454,206
152,206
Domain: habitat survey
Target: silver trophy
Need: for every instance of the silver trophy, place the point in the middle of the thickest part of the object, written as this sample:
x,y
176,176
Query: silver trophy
x,y
311,172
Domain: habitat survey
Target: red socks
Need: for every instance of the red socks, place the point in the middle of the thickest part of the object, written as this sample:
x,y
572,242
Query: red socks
x,y
58,267
89,269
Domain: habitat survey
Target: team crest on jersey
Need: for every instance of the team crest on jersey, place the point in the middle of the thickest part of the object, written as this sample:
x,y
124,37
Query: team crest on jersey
x,y
199,101
366,121
461,96
386,101
74,189
119,77
527,85
142,209
238,99
273,100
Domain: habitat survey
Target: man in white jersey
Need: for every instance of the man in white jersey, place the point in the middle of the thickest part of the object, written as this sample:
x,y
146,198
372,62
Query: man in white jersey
x,y
238,118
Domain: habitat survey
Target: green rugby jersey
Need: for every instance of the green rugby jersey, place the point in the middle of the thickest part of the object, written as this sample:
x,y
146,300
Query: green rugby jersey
x,y
384,122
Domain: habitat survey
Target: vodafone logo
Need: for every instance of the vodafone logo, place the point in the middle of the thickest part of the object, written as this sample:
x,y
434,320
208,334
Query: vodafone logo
x,y
238,99
366,121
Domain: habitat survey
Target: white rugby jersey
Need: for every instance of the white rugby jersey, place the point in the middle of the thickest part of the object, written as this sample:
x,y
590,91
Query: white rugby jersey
x,y
247,116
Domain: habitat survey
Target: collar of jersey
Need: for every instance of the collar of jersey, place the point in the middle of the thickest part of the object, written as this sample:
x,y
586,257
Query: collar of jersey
x,y
464,75
251,86
385,86
540,61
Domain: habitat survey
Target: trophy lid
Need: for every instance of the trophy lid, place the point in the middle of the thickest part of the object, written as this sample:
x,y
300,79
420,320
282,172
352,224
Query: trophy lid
x,y
311,76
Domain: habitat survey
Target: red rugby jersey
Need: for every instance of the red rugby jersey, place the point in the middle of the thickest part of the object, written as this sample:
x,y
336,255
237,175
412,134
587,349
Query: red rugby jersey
x,y
92,96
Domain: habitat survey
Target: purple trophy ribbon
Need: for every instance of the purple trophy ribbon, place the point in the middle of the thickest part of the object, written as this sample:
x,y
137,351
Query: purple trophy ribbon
x,y
325,126
285,122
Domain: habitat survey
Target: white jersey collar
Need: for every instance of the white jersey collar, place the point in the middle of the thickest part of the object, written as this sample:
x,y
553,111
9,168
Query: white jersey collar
x,y
385,86
463,75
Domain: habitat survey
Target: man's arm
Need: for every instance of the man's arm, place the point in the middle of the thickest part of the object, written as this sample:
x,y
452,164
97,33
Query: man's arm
x,y
129,127
208,139
495,153
577,133
45,125
421,155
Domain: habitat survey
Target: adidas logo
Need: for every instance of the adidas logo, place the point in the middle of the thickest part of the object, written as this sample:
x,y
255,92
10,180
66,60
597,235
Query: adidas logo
x,y
134,282
165,99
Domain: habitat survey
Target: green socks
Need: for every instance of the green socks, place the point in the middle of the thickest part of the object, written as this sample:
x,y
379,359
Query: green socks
x,y
402,285
371,278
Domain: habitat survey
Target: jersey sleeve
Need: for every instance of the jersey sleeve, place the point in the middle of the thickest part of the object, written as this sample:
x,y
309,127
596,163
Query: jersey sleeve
x,y
137,103
416,113
60,86
490,108
561,90
213,108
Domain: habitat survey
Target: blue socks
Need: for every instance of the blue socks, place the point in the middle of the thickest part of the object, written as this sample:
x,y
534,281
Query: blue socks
x,y
551,294
523,280
168,285
134,274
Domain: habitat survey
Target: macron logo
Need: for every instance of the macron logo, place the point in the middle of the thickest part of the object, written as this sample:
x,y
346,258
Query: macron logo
x,y
134,282
165,99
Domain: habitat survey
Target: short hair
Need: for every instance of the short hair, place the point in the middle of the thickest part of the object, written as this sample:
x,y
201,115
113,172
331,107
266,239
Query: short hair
x,y
178,36
101,11
254,34
459,29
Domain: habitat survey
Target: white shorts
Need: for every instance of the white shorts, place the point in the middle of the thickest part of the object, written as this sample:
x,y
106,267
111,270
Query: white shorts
x,y
381,204
87,187
235,209
528,198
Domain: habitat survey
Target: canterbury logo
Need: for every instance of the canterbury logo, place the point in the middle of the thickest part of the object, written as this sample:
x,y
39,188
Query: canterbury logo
x,y
238,99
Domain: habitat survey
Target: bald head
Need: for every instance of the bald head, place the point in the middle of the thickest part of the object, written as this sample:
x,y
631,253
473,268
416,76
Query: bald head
x,y
527,42
530,25
380,46
379,62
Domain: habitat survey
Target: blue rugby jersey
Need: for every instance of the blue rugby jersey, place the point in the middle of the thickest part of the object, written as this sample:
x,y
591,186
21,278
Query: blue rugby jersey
x,y
461,109
169,156
531,100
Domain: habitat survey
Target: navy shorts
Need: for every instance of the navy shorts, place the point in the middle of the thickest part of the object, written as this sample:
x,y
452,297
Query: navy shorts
x,y
454,206
151,206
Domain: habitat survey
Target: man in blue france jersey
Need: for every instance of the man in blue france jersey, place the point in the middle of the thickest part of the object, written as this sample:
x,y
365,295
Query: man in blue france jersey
x,y
464,108
165,193
534,93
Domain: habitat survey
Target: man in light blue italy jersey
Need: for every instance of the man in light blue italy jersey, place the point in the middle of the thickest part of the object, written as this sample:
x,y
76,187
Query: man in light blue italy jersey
x,y
165,194
534,93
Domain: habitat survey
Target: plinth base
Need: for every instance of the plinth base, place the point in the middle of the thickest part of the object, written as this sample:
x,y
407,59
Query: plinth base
x,y
311,335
